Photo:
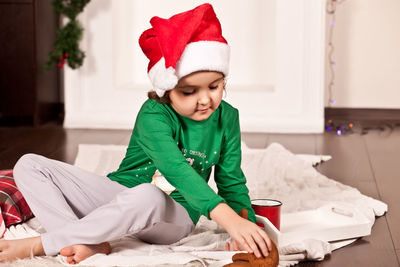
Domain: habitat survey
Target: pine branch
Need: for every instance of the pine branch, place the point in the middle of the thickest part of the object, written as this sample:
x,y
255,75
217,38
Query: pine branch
x,y
66,47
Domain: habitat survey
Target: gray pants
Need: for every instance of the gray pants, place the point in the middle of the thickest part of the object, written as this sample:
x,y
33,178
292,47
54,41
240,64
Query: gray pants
x,y
75,206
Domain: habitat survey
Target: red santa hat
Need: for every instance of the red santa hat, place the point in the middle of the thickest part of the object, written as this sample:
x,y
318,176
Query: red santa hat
x,y
186,42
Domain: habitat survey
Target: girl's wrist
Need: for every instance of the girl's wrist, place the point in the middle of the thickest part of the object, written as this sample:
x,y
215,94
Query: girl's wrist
x,y
223,215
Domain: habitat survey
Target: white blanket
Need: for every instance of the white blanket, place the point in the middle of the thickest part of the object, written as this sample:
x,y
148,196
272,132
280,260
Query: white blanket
x,y
273,172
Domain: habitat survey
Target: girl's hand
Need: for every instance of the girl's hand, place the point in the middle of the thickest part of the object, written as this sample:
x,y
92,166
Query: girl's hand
x,y
233,246
247,236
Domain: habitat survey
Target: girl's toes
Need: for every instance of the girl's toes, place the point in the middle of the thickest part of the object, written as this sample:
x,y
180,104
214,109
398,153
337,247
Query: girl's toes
x,y
71,260
67,251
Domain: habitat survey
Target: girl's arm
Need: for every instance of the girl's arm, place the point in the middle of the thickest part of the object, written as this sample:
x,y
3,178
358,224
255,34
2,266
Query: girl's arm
x,y
228,175
247,235
154,133
231,183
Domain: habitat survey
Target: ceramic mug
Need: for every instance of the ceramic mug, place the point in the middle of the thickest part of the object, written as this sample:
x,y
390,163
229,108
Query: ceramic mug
x,y
268,208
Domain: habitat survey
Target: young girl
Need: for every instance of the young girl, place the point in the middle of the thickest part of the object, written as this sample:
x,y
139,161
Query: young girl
x,y
181,131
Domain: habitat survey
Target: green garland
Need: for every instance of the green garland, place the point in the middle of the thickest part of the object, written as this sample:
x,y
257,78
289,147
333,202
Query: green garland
x,y
66,47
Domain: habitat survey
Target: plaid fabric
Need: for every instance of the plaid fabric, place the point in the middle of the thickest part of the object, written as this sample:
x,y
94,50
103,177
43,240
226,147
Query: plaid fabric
x,y
14,208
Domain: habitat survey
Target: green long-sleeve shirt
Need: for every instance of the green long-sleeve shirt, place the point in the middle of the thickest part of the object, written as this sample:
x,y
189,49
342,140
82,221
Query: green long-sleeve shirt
x,y
165,140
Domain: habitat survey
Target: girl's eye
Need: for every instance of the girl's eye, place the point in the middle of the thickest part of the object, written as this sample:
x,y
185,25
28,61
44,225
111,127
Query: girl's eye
x,y
214,87
188,93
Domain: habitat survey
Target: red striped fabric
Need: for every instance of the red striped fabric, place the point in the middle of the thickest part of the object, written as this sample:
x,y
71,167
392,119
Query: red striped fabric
x,y
14,208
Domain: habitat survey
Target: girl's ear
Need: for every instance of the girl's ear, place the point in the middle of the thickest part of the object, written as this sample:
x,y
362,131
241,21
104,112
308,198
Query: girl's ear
x,y
224,93
224,87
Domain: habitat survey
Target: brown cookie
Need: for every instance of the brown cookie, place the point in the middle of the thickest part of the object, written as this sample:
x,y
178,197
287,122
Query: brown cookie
x,y
272,260
243,213
241,257
250,260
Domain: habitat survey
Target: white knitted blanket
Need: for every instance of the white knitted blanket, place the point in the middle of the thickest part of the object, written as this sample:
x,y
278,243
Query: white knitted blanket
x,y
273,173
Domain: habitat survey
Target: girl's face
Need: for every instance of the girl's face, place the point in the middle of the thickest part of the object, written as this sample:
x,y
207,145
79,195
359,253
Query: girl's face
x,y
198,94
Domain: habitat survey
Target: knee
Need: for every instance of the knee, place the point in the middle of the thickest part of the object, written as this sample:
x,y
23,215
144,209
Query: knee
x,y
148,188
23,165
154,195
148,195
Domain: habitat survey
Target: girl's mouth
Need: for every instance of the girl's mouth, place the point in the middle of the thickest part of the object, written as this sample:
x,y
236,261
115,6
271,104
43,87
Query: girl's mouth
x,y
203,110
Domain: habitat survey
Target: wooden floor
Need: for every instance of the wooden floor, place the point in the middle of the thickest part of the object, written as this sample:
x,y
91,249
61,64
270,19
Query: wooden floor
x,y
368,162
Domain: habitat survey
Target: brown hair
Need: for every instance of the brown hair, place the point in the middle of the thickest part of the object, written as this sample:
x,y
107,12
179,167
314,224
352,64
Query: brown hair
x,y
162,100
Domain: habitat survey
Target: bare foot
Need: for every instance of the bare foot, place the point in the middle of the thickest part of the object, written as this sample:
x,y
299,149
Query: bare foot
x,y
20,248
78,253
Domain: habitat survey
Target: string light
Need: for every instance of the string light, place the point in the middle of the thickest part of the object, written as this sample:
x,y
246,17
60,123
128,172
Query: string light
x,y
331,10
341,128
331,125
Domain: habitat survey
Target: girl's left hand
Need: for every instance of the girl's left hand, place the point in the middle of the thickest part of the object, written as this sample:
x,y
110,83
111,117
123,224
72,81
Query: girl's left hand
x,y
247,236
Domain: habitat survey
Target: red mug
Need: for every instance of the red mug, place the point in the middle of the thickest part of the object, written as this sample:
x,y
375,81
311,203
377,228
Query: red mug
x,y
268,208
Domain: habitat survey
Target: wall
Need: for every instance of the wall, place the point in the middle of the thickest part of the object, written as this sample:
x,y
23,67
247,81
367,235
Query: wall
x,y
276,75
367,49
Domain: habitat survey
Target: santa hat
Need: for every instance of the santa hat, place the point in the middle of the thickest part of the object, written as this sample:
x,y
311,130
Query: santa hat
x,y
186,42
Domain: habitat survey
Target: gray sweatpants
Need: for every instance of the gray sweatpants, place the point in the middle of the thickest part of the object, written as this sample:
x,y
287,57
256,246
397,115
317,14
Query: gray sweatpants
x,y
75,206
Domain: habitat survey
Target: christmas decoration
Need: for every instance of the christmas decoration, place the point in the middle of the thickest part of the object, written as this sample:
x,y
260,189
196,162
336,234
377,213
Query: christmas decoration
x,y
330,125
186,42
342,127
66,47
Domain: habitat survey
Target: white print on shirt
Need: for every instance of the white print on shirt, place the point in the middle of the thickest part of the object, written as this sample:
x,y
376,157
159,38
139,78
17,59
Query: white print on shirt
x,y
194,153
200,164
197,153
190,160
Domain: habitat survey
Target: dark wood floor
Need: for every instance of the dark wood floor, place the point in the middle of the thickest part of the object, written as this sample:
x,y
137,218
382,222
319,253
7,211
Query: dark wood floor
x,y
368,162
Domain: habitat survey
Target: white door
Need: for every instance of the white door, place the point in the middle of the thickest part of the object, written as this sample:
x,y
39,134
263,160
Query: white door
x,y
277,61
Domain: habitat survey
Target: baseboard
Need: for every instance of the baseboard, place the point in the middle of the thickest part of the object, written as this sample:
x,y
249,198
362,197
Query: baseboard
x,y
363,115
16,121
45,113
50,112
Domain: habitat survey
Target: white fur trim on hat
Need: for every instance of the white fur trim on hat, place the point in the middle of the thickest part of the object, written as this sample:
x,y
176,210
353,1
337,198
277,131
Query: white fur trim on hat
x,y
163,79
204,55
197,56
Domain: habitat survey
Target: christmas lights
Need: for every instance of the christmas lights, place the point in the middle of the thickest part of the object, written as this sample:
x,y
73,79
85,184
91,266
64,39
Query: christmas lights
x,y
332,126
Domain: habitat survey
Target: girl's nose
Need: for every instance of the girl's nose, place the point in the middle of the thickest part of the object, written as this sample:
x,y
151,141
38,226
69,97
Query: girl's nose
x,y
204,99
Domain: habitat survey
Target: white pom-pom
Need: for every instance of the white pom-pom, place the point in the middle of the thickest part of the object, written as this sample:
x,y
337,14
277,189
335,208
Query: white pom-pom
x,y
163,79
